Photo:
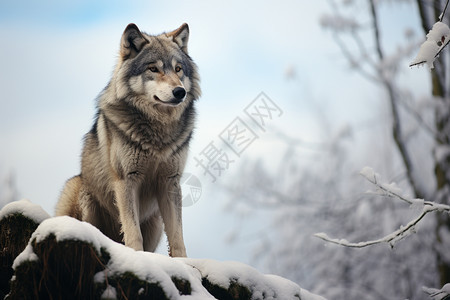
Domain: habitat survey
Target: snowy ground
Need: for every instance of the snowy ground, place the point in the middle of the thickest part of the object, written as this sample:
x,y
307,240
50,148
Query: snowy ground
x,y
154,267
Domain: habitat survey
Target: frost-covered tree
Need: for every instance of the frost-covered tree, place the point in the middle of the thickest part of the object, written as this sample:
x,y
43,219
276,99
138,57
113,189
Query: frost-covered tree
x,y
324,193
434,21
321,192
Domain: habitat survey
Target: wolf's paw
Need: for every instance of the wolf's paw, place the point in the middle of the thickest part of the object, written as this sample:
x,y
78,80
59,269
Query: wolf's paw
x,y
178,252
135,244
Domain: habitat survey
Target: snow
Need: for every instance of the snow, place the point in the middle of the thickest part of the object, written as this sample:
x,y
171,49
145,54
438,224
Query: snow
x,y
67,228
383,189
417,204
26,255
391,188
159,268
437,294
437,38
271,286
109,293
369,174
26,208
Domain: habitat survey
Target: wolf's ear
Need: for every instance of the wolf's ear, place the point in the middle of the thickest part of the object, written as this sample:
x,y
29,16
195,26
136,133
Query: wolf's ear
x,y
132,42
180,36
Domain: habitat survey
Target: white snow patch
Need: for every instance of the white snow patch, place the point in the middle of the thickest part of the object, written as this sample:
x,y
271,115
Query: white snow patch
x,y
262,286
383,188
26,208
417,204
369,174
392,188
26,255
99,277
67,228
109,293
321,235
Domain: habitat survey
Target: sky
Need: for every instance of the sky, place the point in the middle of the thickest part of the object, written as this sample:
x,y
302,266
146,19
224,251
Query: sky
x,y
56,57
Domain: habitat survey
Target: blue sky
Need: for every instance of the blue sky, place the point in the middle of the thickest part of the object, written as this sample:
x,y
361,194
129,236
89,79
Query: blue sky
x,y
62,13
56,56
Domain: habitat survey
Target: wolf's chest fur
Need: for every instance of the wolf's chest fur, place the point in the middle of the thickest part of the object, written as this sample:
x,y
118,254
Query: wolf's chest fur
x,y
157,137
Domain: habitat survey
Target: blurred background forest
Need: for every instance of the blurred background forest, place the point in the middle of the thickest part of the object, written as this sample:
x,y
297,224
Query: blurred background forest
x,y
339,72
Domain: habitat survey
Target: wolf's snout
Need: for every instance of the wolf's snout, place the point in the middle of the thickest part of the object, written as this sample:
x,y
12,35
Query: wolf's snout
x,y
179,93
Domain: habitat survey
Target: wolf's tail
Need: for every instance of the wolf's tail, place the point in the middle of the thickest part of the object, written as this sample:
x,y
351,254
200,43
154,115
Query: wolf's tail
x,y
68,201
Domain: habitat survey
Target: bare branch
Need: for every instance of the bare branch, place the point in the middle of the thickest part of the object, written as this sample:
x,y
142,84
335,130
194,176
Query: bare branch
x,y
376,29
393,99
441,17
416,114
353,61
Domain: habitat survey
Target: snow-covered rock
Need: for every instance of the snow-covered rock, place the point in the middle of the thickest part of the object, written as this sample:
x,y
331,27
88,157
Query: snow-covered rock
x,y
30,210
68,258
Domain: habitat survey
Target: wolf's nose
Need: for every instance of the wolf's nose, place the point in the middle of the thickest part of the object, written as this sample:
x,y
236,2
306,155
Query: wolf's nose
x,y
179,93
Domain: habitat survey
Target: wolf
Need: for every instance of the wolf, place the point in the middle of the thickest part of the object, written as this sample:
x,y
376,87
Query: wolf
x,y
135,153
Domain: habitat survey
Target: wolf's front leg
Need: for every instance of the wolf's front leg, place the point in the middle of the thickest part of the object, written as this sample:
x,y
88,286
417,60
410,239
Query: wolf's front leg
x,y
170,207
128,204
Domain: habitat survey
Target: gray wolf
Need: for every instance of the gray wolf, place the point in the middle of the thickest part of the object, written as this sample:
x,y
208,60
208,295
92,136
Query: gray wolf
x,y
135,153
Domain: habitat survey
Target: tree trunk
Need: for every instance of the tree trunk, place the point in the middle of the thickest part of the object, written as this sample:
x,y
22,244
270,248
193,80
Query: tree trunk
x,y
429,14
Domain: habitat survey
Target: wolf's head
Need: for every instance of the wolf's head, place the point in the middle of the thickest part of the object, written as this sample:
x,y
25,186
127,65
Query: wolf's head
x,y
155,71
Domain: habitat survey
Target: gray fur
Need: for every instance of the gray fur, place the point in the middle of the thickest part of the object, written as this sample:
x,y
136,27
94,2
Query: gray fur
x,y
136,151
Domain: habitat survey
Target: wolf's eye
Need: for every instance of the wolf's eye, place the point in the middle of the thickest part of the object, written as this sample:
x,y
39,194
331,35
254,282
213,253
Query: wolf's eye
x,y
153,69
178,69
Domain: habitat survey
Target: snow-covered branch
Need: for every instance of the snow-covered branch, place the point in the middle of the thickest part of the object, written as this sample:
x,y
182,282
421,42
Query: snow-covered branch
x,y
392,191
438,294
437,39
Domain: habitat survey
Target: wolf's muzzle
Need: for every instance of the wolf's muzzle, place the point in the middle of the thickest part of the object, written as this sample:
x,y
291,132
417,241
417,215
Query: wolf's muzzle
x,y
179,93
